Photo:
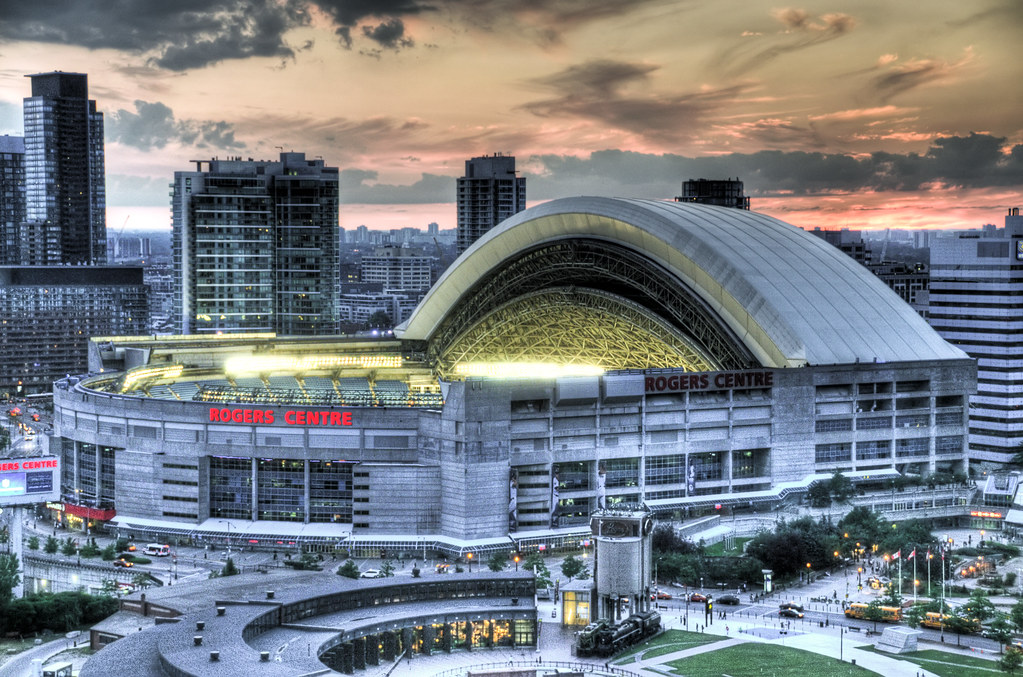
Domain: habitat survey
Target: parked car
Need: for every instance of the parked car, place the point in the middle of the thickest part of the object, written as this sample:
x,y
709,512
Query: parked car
x,y
790,613
728,599
370,573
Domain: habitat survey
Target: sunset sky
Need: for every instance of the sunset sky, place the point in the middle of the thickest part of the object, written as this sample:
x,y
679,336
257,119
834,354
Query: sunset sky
x,y
866,114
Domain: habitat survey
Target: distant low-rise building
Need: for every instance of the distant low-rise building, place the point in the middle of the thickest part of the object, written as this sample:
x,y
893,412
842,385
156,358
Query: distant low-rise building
x,y
48,314
397,268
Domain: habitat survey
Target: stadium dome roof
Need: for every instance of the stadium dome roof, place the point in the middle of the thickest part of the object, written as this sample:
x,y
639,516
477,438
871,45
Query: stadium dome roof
x,y
781,297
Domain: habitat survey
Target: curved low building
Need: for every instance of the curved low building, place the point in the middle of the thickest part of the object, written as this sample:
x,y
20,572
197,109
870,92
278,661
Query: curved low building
x,y
303,624
588,351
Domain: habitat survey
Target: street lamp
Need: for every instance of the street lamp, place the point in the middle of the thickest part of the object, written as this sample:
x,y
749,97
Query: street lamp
x,y
516,558
809,570
229,525
469,557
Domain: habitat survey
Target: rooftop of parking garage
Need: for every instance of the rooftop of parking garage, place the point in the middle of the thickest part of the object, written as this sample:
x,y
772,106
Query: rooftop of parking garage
x,y
244,599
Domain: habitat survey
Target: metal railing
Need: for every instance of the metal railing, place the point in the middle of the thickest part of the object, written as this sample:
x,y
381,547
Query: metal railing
x,y
577,667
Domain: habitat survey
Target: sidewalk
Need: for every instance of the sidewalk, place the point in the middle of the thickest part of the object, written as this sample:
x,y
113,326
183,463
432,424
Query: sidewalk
x,y
21,664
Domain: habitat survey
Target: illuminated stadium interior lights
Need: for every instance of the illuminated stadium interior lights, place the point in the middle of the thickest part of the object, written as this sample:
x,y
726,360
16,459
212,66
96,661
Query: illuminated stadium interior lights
x,y
143,373
525,369
264,364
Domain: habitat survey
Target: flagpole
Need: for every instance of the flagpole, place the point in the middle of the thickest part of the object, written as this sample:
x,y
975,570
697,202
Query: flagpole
x,y
915,586
929,573
900,573
941,611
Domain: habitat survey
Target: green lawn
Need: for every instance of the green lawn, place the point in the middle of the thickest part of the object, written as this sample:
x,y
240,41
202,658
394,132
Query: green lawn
x,y
665,643
718,549
755,659
947,664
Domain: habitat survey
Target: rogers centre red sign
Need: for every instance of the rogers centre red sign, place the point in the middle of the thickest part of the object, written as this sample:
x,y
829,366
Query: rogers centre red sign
x,y
720,380
292,417
8,466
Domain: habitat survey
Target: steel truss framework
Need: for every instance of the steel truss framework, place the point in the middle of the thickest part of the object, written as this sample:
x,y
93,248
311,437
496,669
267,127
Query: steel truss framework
x,y
577,326
689,333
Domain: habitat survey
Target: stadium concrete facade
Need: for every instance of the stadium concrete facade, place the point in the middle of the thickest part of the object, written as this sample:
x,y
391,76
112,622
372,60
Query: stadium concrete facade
x,y
585,353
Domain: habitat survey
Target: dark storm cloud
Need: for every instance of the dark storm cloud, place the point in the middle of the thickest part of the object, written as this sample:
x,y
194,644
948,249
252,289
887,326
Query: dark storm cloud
x,y
177,35
152,125
429,188
187,34
347,14
390,34
974,161
597,90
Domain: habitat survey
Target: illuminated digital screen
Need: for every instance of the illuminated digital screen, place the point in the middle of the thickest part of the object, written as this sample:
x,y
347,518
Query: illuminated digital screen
x,y
12,484
1019,250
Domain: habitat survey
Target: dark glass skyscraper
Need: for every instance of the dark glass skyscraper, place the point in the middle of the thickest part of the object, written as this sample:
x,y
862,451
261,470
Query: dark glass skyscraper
x,y
488,194
64,173
256,247
12,196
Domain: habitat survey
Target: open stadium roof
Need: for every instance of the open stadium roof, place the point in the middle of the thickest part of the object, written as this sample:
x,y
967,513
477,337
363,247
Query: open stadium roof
x,y
781,296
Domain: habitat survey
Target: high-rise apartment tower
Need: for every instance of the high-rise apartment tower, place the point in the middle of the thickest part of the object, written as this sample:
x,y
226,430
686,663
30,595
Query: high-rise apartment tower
x,y
256,246
12,196
65,206
976,284
488,194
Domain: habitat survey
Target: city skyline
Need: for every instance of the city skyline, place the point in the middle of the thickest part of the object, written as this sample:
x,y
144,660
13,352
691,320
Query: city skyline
x,y
859,115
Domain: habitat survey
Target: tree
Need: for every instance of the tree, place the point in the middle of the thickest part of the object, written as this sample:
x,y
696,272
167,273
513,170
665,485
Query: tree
x,y
819,495
9,578
52,545
874,613
67,548
1011,661
109,587
141,580
915,614
893,597
498,561
349,569
571,566
33,543
1016,615
863,525
1000,630
386,568
109,553
959,623
978,607
543,575
841,487
229,568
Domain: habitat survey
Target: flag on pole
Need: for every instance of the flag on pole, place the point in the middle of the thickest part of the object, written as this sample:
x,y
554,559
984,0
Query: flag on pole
x,y
928,553
897,554
912,554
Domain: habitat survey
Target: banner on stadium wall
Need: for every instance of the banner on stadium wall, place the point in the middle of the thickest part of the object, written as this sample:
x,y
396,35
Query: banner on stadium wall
x,y
513,500
555,481
601,485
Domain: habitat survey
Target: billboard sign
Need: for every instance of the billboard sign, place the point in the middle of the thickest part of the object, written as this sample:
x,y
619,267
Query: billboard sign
x,y
29,480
